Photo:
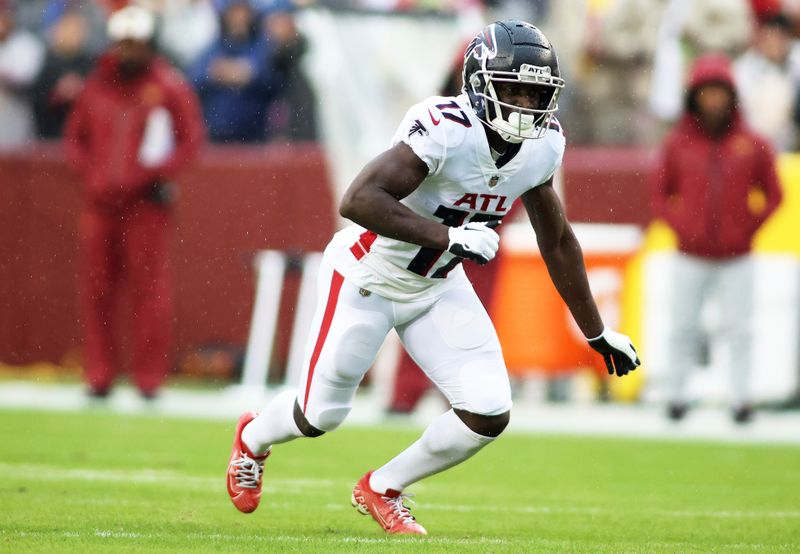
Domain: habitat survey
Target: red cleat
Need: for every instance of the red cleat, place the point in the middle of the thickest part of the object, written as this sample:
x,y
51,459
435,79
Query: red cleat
x,y
245,471
387,509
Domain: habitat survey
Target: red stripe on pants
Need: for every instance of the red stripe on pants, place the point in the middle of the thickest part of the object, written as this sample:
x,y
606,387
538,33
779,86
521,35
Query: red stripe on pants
x,y
363,245
330,309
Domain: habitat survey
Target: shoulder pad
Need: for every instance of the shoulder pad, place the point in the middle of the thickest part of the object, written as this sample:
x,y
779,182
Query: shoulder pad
x,y
555,136
446,118
556,144
434,127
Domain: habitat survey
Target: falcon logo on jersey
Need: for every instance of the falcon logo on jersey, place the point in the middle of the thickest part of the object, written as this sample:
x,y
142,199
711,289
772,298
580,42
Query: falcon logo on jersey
x,y
485,45
417,128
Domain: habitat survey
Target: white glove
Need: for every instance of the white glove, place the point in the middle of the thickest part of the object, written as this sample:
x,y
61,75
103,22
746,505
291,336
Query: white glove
x,y
474,241
617,350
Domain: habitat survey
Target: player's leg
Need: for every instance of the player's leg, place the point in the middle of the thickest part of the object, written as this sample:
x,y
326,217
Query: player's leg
x,y
147,245
99,298
735,282
689,286
346,333
410,382
455,343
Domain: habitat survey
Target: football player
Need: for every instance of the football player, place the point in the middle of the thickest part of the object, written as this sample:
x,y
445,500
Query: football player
x,y
429,202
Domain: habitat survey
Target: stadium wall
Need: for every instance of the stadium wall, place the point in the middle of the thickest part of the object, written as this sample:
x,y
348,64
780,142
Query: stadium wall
x,y
234,202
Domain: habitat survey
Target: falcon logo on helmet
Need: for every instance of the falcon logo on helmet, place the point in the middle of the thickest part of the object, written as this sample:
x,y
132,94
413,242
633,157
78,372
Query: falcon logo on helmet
x,y
485,45
515,54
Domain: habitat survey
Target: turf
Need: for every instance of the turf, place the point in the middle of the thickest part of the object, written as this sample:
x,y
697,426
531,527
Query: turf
x,y
100,482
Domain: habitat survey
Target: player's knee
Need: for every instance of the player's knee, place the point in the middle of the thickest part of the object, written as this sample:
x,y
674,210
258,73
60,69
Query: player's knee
x,y
331,418
485,425
305,426
318,422
485,388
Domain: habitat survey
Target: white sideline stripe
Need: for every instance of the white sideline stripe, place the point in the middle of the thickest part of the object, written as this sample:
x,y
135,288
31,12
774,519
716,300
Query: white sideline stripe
x,y
146,476
51,473
107,534
574,419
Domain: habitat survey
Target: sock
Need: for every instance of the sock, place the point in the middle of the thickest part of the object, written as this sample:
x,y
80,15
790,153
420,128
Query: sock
x,y
274,425
446,442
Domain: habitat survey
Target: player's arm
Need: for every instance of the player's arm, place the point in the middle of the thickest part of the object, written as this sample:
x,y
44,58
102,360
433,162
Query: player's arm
x,y
563,257
373,201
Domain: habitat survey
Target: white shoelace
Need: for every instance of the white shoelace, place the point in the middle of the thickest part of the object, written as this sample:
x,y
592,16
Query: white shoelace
x,y
249,471
399,508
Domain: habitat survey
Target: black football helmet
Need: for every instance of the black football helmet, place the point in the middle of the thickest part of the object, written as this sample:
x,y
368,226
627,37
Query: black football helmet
x,y
512,52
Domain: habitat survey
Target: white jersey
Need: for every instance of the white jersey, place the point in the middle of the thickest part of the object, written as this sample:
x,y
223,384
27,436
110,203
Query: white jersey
x,y
463,184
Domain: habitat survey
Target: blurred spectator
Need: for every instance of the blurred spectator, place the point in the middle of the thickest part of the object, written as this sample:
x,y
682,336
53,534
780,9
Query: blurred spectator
x,y
691,28
441,6
188,28
765,9
21,58
533,11
268,7
94,14
135,124
62,77
710,163
233,78
621,42
292,112
29,14
721,26
113,5
767,77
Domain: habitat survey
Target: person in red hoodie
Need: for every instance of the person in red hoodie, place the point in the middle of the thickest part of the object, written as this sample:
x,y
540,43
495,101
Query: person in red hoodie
x,y
135,124
710,164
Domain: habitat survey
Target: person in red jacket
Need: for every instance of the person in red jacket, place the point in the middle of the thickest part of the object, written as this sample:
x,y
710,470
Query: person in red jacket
x,y
710,164
135,124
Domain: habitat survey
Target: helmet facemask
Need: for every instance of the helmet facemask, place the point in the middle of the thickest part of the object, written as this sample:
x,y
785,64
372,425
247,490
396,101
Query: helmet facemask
x,y
517,123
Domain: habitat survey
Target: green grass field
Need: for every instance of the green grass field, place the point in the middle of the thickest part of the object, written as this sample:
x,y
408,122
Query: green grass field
x,y
101,482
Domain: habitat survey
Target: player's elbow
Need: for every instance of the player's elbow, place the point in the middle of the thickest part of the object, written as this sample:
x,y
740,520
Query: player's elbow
x,y
353,204
347,206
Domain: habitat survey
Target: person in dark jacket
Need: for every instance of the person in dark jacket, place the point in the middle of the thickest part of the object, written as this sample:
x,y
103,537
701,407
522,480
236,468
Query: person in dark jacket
x,y
292,111
61,80
711,163
136,124
233,78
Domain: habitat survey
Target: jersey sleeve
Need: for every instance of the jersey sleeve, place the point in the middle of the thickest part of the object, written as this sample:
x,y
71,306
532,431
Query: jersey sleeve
x,y
428,141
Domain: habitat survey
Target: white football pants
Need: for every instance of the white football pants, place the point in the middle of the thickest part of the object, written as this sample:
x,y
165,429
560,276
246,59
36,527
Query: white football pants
x,y
731,282
450,336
